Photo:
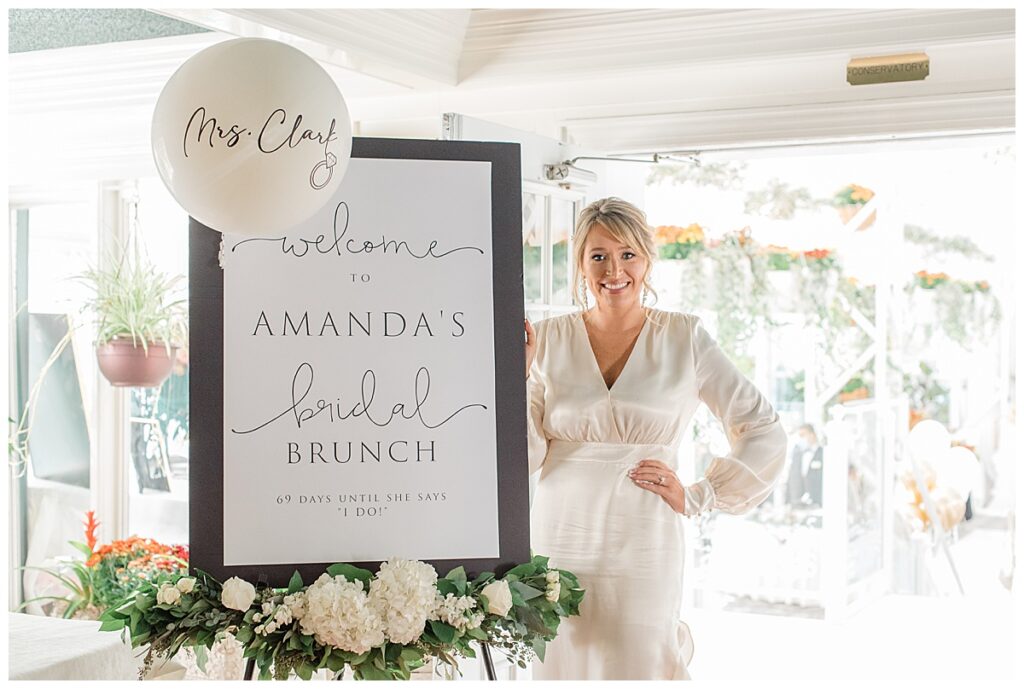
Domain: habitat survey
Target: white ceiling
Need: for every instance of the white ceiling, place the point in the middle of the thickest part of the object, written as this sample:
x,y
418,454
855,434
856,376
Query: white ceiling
x,y
612,80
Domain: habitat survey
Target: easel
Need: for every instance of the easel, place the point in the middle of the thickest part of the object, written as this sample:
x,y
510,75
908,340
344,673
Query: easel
x,y
250,665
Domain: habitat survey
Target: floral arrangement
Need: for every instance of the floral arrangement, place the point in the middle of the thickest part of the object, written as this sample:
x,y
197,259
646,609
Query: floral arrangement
x,y
381,626
817,255
676,242
111,572
852,195
783,258
926,280
855,389
779,257
966,311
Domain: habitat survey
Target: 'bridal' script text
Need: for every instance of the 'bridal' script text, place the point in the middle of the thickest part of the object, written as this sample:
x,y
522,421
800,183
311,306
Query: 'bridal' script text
x,y
302,412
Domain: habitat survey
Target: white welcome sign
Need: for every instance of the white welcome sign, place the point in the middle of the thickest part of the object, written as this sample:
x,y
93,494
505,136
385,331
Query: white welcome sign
x,y
358,395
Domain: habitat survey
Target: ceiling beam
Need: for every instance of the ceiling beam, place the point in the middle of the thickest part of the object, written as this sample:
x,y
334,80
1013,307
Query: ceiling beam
x,y
417,49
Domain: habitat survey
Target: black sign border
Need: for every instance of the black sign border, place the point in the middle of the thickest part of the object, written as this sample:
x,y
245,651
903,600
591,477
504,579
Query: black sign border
x,y
206,380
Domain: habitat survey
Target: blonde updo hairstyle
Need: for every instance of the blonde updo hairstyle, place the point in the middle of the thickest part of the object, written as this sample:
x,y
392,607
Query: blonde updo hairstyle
x,y
623,221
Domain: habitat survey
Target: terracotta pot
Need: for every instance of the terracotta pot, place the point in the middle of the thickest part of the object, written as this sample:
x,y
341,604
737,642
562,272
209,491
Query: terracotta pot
x,y
126,364
846,213
858,394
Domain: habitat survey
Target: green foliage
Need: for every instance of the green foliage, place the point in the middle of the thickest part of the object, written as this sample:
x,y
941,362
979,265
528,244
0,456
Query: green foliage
x,y
740,298
199,620
966,312
132,299
679,250
781,201
925,393
935,244
724,175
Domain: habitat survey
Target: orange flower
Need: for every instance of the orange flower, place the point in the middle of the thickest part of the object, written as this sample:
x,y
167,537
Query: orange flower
x,y
859,193
90,529
666,234
817,254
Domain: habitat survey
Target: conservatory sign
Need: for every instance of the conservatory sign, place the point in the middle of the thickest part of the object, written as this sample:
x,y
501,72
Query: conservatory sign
x,y
889,68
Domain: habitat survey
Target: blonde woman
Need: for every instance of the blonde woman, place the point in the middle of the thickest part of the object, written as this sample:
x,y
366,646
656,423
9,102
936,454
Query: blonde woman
x,y
611,388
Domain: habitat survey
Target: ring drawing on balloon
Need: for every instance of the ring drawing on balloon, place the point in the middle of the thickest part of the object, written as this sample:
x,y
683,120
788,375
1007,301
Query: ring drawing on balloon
x,y
327,164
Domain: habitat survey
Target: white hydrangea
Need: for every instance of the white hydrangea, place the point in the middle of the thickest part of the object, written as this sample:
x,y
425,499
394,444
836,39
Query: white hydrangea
x,y
225,660
404,594
454,610
338,613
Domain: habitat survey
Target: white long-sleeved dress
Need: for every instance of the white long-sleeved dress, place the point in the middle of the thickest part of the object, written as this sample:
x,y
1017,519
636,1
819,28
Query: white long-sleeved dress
x,y
624,542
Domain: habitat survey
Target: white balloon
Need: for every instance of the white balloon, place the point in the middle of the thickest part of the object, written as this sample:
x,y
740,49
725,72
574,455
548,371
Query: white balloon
x,y
962,470
928,439
251,136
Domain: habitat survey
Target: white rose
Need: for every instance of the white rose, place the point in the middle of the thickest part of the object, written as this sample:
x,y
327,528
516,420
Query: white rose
x,y
186,584
168,595
237,594
499,598
552,576
553,593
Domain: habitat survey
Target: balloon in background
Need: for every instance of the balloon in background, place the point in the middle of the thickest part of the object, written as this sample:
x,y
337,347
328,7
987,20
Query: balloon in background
x,y
251,136
958,469
928,440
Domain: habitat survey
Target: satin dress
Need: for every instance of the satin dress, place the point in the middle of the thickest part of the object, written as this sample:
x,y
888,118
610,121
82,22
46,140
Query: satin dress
x,y
625,543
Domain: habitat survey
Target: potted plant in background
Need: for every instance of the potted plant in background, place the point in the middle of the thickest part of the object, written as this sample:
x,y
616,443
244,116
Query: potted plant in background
x,y
139,323
849,200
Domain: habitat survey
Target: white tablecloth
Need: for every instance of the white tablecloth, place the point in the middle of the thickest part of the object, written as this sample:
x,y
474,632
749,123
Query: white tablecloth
x,y
53,648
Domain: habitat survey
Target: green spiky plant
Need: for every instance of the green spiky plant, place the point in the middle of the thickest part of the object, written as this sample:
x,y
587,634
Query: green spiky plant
x,y
132,299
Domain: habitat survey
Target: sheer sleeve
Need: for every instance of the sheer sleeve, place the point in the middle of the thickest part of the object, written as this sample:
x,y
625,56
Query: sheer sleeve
x,y
737,482
537,442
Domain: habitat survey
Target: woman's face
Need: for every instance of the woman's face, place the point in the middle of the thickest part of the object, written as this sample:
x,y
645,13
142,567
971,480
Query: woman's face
x,y
614,272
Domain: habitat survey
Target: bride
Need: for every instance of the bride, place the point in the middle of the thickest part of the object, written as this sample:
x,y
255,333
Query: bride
x,y
611,388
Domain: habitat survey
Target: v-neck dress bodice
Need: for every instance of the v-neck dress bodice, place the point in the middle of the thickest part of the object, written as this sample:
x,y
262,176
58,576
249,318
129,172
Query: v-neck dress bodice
x,y
624,542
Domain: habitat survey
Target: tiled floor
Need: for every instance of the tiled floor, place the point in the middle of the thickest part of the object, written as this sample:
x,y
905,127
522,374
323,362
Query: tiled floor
x,y
960,638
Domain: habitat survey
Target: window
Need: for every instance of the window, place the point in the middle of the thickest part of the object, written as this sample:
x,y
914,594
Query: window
x,y
549,217
158,417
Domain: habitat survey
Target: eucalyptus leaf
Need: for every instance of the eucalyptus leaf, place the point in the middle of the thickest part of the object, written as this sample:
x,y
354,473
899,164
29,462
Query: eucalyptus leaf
x,y
539,646
523,570
351,573
526,591
445,633
458,574
111,625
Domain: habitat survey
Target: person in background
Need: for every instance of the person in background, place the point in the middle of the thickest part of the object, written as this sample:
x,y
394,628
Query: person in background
x,y
803,487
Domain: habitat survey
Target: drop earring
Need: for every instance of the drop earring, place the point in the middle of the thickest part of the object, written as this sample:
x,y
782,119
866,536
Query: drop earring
x,y
643,300
583,288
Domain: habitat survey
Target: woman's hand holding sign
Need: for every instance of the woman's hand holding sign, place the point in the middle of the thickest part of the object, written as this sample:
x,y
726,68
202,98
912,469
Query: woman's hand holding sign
x,y
531,346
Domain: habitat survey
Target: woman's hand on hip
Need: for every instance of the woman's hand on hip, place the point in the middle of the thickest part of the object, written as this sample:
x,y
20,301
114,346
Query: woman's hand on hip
x,y
661,479
531,346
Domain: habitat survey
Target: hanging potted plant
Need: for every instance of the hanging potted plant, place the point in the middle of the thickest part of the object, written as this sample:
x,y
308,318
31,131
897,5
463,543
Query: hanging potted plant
x,y
139,325
849,200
